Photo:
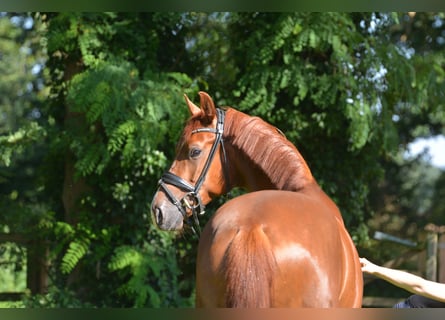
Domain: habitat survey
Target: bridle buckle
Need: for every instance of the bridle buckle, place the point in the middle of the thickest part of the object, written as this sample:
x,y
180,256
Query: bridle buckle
x,y
192,202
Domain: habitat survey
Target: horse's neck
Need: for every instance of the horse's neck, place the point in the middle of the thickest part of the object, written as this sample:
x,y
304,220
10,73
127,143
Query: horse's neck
x,y
261,157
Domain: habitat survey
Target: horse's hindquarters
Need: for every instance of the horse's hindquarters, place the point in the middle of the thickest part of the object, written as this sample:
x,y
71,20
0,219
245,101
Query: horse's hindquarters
x,y
294,237
352,291
303,280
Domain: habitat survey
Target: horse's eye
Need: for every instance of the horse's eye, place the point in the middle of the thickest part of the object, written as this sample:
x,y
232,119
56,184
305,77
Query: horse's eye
x,y
194,153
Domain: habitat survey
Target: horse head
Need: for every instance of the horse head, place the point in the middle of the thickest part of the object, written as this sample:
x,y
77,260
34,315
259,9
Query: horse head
x,y
196,174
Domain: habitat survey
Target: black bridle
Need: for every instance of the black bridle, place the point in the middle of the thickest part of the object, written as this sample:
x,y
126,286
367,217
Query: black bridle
x,y
191,201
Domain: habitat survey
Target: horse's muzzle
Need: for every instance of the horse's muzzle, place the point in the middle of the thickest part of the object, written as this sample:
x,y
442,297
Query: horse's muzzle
x,y
166,216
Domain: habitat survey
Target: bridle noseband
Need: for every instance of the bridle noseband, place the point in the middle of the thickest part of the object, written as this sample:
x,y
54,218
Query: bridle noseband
x,y
191,201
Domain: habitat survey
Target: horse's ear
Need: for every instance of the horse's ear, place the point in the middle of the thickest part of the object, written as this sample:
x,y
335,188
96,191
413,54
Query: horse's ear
x,y
193,108
207,106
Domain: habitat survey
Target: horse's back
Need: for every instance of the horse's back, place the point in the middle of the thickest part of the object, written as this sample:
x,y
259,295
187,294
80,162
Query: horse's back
x,y
290,244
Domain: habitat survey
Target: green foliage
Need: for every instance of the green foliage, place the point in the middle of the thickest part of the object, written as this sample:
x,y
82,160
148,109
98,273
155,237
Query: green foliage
x,y
15,143
292,47
20,86
117,121
12,267
77,249
55,298
153,261
126,112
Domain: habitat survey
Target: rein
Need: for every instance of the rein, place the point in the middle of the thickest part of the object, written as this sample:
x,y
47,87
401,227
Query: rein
x,y
191,200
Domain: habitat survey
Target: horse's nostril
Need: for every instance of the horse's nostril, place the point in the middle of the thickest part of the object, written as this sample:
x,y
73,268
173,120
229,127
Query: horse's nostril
x,y
158,216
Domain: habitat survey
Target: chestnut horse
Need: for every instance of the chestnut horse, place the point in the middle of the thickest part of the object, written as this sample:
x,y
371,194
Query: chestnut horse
x,y
283,244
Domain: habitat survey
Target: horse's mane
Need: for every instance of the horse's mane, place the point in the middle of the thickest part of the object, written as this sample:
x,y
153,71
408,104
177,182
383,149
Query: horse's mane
x,y
268,148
